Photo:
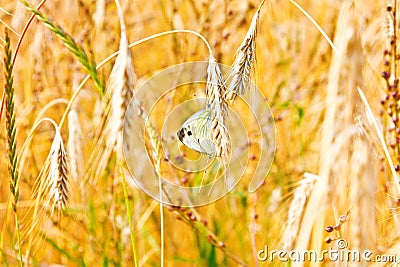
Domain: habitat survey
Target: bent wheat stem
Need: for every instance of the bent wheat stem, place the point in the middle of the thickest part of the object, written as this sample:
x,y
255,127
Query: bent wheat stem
x,y
102,63
319,28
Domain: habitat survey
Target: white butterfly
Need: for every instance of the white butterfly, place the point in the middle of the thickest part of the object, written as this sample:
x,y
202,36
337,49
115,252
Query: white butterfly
x,y
195,132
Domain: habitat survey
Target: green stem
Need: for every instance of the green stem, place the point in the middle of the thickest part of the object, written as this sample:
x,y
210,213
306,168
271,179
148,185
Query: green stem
x,y
21,263
129,213
161,221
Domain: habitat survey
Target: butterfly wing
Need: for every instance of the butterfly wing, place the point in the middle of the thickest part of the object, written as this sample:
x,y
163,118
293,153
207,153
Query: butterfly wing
x,y
186,136
195,132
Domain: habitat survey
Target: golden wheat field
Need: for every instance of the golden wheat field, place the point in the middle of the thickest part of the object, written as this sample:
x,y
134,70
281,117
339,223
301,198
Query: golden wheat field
x,y
296,144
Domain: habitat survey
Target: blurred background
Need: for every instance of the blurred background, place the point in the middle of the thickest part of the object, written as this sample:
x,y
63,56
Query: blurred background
x,y
330,167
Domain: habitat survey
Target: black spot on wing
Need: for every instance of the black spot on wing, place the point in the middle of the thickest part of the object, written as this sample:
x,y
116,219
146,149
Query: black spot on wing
x,y
181,134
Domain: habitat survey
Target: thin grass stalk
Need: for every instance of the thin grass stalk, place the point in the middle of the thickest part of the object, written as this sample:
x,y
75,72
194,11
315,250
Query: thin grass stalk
x,y
371,118
319,28
71,45
38,121
161,207
11,135
129,213
156,146
77,261
9,27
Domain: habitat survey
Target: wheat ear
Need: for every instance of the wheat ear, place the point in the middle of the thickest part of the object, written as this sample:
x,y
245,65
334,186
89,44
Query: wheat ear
x,y
215,91
59,174
71,45
10,121
119,92
243,66
52,187
296,210
51,190
11,134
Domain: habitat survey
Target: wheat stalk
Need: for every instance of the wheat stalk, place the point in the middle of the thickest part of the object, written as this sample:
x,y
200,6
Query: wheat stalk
x,y
215,91
243,66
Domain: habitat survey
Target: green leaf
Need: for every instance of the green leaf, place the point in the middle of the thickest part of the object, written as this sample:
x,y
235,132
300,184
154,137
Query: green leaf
x,y
300,115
